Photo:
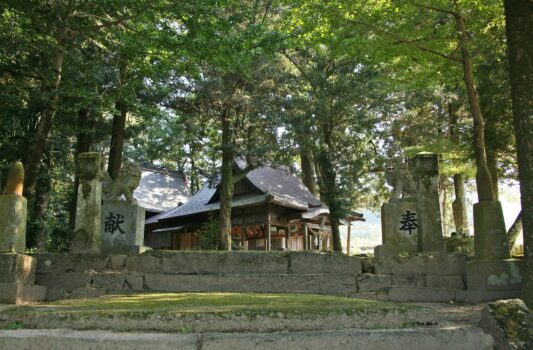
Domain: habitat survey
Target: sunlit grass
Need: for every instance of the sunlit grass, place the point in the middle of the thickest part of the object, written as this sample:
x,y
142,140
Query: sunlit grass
x,y
173,303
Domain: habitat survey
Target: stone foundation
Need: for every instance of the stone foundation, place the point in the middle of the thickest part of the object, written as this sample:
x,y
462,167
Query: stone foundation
x,y
439,278
17,273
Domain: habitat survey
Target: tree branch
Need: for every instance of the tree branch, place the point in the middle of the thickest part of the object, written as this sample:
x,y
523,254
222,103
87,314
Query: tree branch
x,y
433,8
399,39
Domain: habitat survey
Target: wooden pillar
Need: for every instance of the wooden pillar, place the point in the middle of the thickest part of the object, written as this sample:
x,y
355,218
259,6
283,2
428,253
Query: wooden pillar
x,y
287,236
306,238
269,234
349,237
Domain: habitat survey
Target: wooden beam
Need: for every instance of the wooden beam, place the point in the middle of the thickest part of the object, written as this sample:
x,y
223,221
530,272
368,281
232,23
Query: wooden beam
x,y
269,234
306,238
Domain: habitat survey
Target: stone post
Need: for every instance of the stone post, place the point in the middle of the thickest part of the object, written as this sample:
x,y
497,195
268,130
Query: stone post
x,y
493,271
90,173
490,235
399,227
122,222
122,227
13,213
17,270
426,177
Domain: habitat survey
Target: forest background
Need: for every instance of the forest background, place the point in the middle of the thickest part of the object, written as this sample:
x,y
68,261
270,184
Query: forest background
x,y
335,90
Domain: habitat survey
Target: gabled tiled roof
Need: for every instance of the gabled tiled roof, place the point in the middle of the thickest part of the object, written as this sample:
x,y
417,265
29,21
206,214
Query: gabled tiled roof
x,y
161,189
276,185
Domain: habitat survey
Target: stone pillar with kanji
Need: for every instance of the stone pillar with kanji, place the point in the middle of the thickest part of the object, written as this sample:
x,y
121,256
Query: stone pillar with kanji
x,y
399,217
122,227
90,172
122,222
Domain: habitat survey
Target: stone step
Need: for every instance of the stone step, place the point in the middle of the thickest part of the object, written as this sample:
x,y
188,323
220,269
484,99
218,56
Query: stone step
x,y
19,293
436,295
408,294
78,284
457,338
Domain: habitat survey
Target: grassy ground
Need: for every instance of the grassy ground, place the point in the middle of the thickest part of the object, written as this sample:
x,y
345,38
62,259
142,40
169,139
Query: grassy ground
x,y
211,303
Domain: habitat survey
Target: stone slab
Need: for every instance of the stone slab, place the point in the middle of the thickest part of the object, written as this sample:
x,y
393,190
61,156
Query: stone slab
x,y
406,294
17,268
122,227
445,282
67,280
117,262
416,281
441,264
209,262
63,339
372,283
315,263
320,284
73,262
494,274
464,338
482,296
19,293
13,216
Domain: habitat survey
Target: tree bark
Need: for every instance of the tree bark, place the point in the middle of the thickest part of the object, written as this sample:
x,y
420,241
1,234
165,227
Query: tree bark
x,y
483,179
519,21
226,185
308,171
40,204
514,231
49,95
492,164
329,193
118,136
459,205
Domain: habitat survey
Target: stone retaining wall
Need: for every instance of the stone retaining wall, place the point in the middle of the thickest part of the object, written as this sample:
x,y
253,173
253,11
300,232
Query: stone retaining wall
x,y
440,278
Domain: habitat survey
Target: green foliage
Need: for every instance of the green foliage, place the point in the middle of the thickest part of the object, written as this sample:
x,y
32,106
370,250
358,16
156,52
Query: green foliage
x,y
207,235
354,84
13,326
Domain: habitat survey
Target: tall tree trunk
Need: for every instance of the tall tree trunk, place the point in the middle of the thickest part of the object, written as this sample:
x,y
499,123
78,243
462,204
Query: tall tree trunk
x,y
514,231
444,205
519,21
492,163
85,139
226,185
308,171
318,177
459,204
328,191
117,139
49,95
40,204
485,191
